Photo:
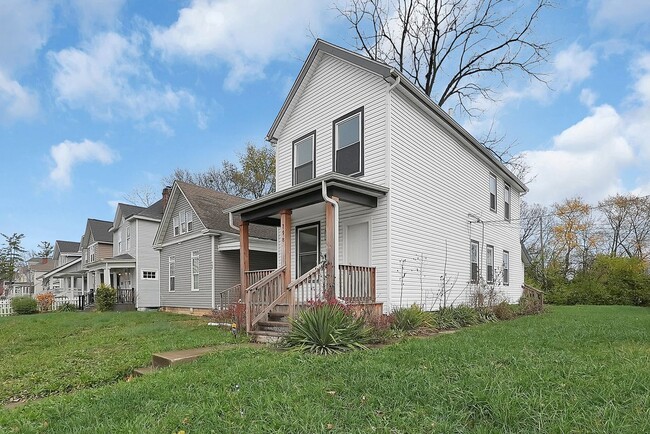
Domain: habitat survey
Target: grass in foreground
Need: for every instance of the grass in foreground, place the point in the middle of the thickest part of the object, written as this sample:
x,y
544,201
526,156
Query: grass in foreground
x,y
59,352
574,369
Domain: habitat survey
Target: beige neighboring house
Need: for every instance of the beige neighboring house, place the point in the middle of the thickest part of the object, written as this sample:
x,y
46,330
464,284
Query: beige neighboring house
x,y
28,278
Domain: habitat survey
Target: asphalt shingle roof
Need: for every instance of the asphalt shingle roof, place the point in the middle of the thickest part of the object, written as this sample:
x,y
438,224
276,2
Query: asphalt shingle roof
x,y
68,246
99,229
155,211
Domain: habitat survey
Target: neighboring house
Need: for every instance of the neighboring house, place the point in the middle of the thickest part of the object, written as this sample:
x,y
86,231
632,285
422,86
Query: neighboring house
x,y
65,278
37,268
21,284
96,245
424,213
199,250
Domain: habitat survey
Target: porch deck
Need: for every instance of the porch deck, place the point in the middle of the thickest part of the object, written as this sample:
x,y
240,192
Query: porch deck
x,y
124,299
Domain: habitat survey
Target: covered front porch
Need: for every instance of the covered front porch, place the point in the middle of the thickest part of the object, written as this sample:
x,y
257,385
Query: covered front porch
x,y
117,272
325,243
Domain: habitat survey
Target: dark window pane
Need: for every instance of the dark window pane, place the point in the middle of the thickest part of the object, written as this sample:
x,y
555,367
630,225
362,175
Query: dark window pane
x,y
307,262
308,240
348,160
348,132
490,273
506,210
303,173
474,272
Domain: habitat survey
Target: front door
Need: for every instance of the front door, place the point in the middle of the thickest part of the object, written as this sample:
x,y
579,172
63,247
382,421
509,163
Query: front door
x,y
357,244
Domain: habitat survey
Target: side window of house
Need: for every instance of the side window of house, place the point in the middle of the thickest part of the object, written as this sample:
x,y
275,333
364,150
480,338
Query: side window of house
x,y
348,143
149,274
304,150
172,273
506,268
489,259
128,238
493,193
195,270
183,217
188,217
506,201
119,241
176,227
473,253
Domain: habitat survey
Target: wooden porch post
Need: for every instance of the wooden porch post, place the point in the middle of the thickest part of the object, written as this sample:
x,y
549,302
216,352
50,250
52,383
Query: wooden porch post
x,y
285,228
244,257
330,241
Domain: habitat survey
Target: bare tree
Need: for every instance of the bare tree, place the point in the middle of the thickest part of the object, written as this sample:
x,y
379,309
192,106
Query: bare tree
x,y
141,196
454,50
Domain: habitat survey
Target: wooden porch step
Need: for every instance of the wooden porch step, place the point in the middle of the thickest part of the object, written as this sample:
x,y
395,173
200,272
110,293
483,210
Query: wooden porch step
x,y
268,333
173,358
272,324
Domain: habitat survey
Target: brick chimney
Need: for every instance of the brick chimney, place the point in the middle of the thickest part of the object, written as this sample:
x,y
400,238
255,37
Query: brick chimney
x,y
165,196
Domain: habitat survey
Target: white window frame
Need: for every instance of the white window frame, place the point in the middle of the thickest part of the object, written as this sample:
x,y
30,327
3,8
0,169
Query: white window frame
x,y
176,226
359,113
155,274
506,268
493,192
93,252
489,263
183,218
172,274
506,201
474,276
189,219
311,136
128,238
195,277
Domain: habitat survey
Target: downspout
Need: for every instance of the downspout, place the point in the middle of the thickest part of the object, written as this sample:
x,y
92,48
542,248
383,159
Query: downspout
x,y
388,170
212,272
231,222
328,199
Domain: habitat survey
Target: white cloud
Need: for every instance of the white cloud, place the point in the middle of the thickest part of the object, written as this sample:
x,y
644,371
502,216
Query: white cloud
x,y
245,35
94,15
68,154
24,29
572,65
108,77
619,17
16,101
588,97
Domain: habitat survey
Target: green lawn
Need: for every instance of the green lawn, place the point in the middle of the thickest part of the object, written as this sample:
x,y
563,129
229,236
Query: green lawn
x,y
52,353
573,369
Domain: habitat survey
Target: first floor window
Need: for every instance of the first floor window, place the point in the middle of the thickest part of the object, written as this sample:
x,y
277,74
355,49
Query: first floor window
x,y
149,274
308,246
195,270
303,158
172,273
489,254
506,268
348,143
473,252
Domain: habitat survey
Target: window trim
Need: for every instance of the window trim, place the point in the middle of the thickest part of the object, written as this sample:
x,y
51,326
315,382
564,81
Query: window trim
x,y
471,261
313,156
318,245
176,226
335,122
488,248
195,254
149,270
496,187
182,216
506,270
507,201
128,238
119,241
189,220
171,260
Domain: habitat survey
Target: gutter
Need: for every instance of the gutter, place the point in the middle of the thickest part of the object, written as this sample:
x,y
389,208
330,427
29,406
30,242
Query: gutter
x,y
326,198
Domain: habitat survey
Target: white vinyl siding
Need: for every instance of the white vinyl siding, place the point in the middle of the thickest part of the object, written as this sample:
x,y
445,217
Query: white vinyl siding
x,y
332,89
147,259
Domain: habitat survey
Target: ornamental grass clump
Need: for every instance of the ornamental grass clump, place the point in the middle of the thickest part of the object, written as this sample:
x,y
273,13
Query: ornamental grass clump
x,y
326,329
408,319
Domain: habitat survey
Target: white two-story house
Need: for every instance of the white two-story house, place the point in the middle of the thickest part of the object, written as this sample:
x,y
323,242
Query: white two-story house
x,y
381,196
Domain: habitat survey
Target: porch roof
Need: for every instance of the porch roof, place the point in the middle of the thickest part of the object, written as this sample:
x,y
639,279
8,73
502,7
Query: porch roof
x,y
346,188
72,268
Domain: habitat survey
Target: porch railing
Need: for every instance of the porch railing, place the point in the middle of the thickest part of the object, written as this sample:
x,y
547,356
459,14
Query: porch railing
x,y
255,276
263,296
227,297
309,287
357,284
125,296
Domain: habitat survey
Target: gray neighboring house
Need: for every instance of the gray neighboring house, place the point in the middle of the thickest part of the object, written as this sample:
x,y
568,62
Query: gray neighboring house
x,y
199,250
65,279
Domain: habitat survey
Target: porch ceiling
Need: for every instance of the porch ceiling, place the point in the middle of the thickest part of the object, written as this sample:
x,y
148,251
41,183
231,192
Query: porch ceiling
x,y
346,188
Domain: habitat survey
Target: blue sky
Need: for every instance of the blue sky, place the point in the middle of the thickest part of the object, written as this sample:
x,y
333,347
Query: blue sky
x,y
98,97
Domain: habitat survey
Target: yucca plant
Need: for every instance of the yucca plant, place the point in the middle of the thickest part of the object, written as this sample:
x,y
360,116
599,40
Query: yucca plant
x,y
407,319
326,329
465,315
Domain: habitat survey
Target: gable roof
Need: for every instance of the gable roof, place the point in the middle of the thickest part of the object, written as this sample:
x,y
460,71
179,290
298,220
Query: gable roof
x,y
128,210
154,211
45,265
67,246
390,75
99,230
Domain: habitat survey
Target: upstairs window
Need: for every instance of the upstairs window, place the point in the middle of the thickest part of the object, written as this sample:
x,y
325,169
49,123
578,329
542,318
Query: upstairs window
x,y
506,268
188,217
506,201
348,143
176,226
183,222
304,150
119,241
473,253
128,238
493,193
489,259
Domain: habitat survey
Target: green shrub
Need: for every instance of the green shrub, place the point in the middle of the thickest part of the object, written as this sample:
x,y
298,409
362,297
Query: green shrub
x,y
464,315
504,311
67,307
326,329
105,298
407,319
444,319
486,315
24,305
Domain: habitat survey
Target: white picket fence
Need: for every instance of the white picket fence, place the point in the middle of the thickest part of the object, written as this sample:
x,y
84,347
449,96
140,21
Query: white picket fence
x,y
6,310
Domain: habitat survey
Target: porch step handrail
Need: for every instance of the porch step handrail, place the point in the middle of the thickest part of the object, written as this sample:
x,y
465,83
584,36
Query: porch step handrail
x,y
255,276
236,289
263,296
310,287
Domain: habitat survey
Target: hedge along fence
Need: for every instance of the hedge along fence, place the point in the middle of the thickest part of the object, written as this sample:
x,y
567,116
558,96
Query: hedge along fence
x,y
6,309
